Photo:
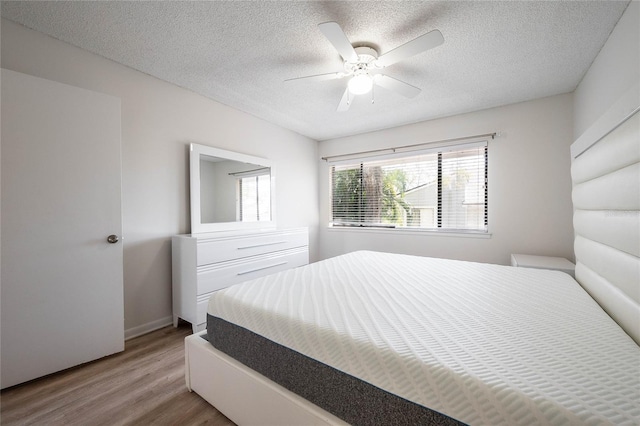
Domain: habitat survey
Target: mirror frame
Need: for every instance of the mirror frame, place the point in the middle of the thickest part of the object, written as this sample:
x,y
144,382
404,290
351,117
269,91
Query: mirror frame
x,y
197,227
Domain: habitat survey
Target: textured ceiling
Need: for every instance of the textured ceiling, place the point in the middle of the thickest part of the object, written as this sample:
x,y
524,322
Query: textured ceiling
x,y
240,52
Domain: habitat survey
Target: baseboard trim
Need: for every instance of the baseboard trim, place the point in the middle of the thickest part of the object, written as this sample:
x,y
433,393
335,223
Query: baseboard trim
x,y
139,330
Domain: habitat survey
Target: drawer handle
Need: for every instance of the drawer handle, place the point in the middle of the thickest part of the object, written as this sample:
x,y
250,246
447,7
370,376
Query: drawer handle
x,y
262,245
264,267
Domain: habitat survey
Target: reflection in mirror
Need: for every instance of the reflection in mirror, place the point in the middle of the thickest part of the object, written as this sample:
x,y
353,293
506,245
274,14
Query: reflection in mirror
x,y
229,190
234,191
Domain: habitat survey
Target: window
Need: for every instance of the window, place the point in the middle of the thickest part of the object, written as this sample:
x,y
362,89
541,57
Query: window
x,y
254,200
435,189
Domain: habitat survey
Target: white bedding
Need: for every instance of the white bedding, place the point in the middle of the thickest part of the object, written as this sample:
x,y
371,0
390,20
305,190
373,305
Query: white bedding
x,y
484,344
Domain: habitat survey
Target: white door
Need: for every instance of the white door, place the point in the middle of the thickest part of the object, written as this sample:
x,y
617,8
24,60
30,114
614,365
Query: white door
x,y
61,280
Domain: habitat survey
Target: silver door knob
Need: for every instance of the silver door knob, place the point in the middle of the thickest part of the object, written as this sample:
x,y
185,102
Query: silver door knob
x,y
113,239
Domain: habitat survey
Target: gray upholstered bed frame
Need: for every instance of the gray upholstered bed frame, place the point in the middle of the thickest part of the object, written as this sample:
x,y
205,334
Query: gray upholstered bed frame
x,y
605,171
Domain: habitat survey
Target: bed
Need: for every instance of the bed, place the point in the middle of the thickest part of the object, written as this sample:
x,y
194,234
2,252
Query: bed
x,y
380,338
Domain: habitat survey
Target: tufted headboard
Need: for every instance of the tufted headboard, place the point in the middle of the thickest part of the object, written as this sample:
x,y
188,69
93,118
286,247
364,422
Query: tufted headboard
x,y
605,170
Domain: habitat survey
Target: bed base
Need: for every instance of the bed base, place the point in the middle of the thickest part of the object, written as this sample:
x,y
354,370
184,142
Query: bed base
x,y
241,394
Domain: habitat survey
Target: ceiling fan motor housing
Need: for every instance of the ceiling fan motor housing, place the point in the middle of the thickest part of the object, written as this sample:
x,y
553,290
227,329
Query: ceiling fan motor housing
x,y
365,62
366,53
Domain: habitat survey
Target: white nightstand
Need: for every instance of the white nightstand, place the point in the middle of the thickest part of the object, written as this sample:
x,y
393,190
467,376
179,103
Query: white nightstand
x,y
543,262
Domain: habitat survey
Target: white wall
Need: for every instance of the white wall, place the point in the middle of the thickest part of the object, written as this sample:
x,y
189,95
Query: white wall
x,y
615,69
159,120
530,207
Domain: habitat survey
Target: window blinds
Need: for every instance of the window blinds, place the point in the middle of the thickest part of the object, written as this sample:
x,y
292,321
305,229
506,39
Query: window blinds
x,y
437,189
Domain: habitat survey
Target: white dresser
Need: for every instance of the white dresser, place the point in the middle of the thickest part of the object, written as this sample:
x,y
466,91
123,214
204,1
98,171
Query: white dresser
x,y
204,263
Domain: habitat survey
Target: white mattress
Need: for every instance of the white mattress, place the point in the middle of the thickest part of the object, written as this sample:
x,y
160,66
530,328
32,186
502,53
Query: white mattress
x,y
484,344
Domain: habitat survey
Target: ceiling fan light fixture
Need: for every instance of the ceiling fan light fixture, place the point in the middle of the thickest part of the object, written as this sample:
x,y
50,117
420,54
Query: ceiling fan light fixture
x,y
360,84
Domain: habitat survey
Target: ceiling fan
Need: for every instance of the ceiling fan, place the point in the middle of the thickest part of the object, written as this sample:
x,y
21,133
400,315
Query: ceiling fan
x,y
363,65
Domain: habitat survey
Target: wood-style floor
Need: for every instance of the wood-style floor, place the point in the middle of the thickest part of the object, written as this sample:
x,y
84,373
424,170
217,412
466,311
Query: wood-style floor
x,y
143,385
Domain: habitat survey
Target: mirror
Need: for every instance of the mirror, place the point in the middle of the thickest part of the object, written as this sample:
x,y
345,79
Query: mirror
x,y
229,190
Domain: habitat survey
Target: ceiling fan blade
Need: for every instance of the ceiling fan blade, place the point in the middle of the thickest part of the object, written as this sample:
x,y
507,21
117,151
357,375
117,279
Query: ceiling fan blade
x,y
345,102
318,77
417,45
405,89
339,40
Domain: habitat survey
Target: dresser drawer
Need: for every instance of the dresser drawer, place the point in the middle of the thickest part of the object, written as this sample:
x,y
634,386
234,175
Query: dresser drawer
x,y
223,249
222,275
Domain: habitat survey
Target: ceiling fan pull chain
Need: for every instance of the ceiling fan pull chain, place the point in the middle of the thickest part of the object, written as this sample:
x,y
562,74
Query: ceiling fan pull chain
x,y
373,100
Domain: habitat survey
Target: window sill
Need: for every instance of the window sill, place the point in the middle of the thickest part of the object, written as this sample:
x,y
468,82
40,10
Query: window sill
x,y
404,231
